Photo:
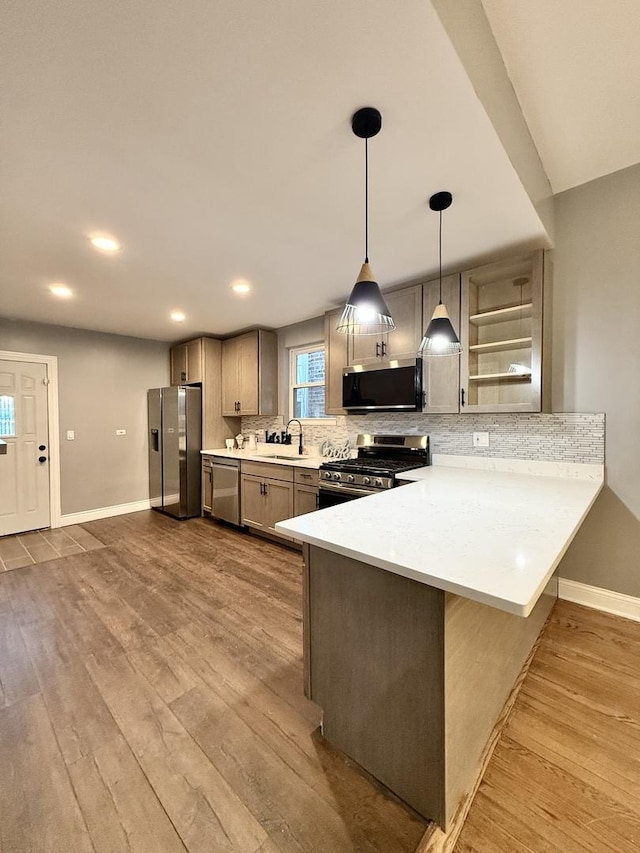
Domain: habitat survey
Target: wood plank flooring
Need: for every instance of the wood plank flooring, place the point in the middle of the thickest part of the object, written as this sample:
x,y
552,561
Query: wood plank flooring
x,y
151,700
565,775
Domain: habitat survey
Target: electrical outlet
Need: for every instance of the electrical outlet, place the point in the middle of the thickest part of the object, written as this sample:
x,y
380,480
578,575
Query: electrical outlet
x,y
124,432
71,435
481,439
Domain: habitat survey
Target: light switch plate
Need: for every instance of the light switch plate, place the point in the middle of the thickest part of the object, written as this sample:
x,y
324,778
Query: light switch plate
x,y
121,432
481,439
71,435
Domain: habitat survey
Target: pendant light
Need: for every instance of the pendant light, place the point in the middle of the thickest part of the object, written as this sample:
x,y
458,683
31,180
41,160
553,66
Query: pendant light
x,y
440,337
366,312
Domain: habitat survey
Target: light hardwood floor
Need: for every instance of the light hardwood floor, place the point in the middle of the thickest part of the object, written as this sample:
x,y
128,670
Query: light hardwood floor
x,y
565,775
151,700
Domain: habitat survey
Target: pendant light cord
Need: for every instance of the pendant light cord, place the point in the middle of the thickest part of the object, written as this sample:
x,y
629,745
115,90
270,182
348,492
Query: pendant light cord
x,y
366,200
440,256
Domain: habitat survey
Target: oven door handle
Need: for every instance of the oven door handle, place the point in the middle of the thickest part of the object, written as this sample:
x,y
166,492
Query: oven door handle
x,y
347,490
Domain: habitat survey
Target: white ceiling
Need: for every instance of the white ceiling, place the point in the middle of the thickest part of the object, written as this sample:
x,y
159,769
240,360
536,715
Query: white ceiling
x,y
575,68
213,139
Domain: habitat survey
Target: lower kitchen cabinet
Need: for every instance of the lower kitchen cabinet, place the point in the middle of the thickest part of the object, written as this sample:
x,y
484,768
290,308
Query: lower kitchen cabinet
x,y
266,499
305,490
305,499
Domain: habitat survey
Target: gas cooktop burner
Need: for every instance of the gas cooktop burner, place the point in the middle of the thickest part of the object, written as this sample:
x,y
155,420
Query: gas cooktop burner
x,y
385,467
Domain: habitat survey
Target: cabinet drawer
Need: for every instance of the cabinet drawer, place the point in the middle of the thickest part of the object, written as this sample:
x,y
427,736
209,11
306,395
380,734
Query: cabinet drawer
x,y
268,470
305,476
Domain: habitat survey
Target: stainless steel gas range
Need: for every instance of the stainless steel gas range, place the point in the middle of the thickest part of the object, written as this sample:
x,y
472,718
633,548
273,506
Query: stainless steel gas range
x,y
380,458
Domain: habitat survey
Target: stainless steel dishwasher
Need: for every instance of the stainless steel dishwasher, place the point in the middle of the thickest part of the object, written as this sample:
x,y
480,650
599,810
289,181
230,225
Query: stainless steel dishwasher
x,y
225,491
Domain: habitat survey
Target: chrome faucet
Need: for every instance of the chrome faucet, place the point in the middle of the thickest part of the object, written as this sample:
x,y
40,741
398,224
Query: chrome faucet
x,y
289,434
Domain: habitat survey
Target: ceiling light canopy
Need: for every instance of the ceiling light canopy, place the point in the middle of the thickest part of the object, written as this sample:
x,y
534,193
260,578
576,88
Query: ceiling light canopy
x,y
240,285
62,291
178,316
366,312
105,243
440,337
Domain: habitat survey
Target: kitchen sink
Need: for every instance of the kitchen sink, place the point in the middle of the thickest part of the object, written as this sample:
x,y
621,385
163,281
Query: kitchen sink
x,y
289,458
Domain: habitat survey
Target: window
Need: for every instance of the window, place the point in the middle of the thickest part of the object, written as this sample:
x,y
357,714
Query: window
x,y
8,415
306,380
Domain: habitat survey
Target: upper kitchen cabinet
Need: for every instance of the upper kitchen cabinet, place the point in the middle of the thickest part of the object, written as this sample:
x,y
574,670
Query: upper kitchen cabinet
x,y
501,335
406,309
335,360
441,374
250,374
187,361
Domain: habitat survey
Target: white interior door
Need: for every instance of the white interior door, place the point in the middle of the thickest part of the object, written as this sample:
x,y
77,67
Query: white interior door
x,y
24,468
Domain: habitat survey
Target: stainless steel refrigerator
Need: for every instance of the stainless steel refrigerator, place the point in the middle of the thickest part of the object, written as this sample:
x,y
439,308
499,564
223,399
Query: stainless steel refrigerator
x,y
175,441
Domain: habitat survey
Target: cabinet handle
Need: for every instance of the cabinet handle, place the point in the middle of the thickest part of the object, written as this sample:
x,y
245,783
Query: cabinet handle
x,y
317,501
462,396
265,489
377,350
261,487
383,347
424,399
306,476
183,376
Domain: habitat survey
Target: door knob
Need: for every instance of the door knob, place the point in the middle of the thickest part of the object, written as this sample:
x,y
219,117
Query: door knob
x,y
42,458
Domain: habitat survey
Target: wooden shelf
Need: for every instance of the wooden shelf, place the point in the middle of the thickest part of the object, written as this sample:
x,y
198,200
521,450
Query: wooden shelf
x,y
501,346
501,315
492,377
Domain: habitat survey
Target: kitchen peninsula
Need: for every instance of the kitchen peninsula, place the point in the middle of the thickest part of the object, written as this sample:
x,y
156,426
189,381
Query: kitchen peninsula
x,y
421,606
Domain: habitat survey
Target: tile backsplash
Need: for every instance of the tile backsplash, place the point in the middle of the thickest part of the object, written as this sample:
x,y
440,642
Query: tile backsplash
x,y
569,437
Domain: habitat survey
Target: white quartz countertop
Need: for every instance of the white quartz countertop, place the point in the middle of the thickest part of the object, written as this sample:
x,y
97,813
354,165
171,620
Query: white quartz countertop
x,y
494,536
274,454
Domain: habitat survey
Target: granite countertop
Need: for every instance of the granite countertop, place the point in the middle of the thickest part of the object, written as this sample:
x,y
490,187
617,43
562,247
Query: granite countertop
x,y
274,454
490,530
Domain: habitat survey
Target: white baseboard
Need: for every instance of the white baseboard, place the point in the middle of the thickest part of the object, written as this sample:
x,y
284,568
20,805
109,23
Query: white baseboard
x,y
600,599
103,512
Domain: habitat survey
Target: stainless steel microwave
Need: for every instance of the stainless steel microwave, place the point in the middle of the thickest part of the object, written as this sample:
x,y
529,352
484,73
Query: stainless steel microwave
x,y
395,386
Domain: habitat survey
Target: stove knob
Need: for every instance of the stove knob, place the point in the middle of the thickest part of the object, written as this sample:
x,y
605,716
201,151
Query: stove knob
x,y
377,482
366,481
327,475
337,476
351,478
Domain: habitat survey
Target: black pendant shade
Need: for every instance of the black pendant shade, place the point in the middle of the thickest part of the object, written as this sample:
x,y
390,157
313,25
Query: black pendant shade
x,y
366,312
440,337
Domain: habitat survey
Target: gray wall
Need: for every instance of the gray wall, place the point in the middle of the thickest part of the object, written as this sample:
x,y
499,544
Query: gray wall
x,y
296,335
103,380
596,359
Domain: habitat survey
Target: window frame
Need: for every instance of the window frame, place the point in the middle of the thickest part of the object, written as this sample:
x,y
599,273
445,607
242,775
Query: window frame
x,y
294,352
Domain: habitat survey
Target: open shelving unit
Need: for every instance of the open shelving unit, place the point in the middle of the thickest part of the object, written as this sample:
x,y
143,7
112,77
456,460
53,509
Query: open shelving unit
x,y
502,336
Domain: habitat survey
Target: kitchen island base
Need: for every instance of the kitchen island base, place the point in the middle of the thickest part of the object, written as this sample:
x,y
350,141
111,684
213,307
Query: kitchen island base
x,y
411,679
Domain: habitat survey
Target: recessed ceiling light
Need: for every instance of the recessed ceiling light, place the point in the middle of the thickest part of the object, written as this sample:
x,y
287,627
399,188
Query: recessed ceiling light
x,y
178,316
240,285
61,290
105,243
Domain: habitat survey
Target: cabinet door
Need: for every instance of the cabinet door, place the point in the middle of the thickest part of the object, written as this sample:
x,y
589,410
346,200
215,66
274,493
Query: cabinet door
x,y
248,366
441,374
230,377
194,360
178,361
279,505
501,367
305,499
253,501
335,360
363,349
406,309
